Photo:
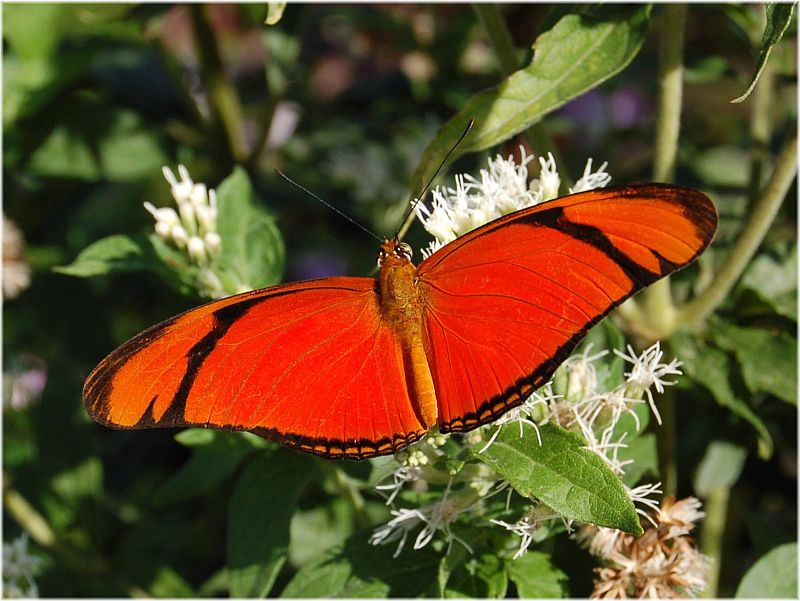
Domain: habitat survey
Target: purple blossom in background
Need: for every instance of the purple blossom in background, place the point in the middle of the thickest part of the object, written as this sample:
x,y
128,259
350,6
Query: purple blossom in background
x,y
629,107
24,383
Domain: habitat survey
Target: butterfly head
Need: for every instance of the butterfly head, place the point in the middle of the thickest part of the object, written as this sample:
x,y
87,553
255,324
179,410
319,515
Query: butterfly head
x,y
394,252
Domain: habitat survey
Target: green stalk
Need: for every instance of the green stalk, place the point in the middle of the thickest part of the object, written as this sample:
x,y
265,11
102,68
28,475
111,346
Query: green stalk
x,y
698,309
500,38
712,535
760,122
223,99
345,485
658,306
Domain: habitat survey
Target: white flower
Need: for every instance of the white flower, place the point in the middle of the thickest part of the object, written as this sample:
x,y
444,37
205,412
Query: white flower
x,y
527,525
501,189
546,186
648,371
194,225
522,414
19,567
591,179
436,516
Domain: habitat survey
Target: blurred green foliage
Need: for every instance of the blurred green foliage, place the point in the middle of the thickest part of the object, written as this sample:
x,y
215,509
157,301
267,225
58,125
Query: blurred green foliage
x,y
347,99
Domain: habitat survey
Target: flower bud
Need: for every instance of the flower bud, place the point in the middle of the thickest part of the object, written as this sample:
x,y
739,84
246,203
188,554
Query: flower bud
x,y
213,242
178,235
196,249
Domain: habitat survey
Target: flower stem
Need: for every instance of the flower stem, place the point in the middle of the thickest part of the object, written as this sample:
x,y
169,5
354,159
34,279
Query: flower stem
x,y
698,309
500,38
712,534
761,121
351,493
673,20
222,96
666,438
659,308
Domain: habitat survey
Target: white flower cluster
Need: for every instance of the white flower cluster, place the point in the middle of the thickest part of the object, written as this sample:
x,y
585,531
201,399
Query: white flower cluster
x,y
501,189
193,227
19,568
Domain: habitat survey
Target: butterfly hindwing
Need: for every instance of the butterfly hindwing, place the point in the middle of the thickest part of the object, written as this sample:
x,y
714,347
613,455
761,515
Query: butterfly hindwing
x,y
506,303
310,365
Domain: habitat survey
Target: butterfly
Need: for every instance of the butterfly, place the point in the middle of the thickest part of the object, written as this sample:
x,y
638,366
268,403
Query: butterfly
x,y
351,367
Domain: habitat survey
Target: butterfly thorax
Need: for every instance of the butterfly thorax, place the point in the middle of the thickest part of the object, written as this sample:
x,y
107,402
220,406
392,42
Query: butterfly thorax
x,y
400,302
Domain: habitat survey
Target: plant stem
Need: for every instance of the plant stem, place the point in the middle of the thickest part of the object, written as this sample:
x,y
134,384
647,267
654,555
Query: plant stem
x,y
26,516
222,97
760,123
657,304
500,38
711,536
666,437
353,495
698,309
673,20
659,308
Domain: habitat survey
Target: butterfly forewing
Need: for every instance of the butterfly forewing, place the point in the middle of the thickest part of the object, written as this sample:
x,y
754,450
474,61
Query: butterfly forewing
x,y
507,303
310,365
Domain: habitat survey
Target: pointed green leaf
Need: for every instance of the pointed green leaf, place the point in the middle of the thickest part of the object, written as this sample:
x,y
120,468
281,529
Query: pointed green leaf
x,y
274,12
479,577
774,575
720,467
252,254
578,53
711,367
115,254
564,474
358,569
779,16
536,577
260,510
208,466
768,358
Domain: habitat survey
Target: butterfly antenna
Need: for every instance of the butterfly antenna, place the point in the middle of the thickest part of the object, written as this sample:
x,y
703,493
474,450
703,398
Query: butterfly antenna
x,y
408,216
329,205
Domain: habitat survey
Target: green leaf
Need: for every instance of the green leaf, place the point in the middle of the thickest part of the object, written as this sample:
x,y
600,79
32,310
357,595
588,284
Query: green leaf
x,y
774,575
260,510
579,53
208,466
252,253
564,474
118,148
480,577
726,165
768,358
710,366
316,530
274,12
536,577
359,569
779,16
720,467
167,583
774,281
115,254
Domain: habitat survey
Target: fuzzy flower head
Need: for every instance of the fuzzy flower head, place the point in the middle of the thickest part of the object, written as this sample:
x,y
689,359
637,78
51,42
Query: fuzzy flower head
x,y
193,227
502,188
662,563
16,269
19,568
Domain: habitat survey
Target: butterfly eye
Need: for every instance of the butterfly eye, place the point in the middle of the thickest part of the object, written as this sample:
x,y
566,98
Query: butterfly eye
x,y
381,256
404,251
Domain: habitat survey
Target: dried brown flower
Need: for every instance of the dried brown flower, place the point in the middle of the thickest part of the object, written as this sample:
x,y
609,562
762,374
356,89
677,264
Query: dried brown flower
x,y
662,563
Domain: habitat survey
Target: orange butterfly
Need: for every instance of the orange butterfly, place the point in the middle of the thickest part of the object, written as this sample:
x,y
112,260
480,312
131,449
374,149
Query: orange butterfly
x,y
349,367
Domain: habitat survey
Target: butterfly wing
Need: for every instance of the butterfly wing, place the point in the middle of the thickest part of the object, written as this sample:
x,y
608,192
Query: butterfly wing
x,y
310,365
508,302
